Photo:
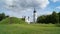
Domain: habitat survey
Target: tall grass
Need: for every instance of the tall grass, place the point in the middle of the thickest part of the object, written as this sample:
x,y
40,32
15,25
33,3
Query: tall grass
x,y
12,20
29,29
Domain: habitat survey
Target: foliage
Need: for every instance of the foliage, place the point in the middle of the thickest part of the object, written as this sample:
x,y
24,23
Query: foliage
x,y
53,18
59,16
12,20
3,16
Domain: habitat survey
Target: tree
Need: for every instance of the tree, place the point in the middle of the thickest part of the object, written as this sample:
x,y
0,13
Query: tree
x,y
59,16
41,19
52,18
3,16
55,17
48,18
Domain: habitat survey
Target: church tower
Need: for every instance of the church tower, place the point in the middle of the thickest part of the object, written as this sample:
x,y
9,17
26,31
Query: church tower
x,y
34,16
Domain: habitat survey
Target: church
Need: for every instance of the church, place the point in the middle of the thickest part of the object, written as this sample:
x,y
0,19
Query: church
x,y
34,17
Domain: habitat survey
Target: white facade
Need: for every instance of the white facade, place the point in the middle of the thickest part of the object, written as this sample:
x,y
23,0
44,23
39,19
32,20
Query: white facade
x,y
34,17
27,20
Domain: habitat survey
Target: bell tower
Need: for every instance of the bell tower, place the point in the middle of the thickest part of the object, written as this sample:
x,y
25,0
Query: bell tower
x,y
34,16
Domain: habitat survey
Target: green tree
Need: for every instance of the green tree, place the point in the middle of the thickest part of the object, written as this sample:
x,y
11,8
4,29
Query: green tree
x,y
48,18
55,17
59,16
52,18
3,16
41,19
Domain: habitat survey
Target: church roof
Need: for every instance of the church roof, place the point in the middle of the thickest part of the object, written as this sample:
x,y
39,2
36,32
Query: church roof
x,y
34,10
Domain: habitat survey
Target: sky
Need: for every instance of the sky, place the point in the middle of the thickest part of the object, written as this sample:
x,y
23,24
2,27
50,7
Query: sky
x,y
19,8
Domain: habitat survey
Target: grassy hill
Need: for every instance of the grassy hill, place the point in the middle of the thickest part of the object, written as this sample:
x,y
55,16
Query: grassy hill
x,y
29,29
15,25
12,20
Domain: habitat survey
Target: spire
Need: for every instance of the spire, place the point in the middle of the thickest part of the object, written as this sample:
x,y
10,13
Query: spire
x,y
34,16
34,11
28,18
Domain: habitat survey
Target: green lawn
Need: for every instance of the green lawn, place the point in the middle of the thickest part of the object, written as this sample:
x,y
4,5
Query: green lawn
x,y
29,29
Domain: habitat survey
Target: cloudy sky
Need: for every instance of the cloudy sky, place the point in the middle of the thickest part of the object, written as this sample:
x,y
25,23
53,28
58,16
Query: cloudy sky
x,y
19,8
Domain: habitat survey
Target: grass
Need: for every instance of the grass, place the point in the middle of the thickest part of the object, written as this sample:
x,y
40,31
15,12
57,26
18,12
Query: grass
x,y
12,20
18,26
29,29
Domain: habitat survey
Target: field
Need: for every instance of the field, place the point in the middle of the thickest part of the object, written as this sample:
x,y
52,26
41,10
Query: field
x,y
29,29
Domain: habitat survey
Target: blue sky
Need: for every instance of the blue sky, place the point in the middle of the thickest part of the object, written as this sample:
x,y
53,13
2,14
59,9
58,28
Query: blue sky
x,y
19,8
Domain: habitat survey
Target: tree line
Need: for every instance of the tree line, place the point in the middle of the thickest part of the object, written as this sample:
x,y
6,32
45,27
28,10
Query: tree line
x,y
3,16
53,18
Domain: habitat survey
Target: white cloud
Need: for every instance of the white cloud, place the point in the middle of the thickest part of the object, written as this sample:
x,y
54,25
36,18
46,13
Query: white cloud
x,y
23,7
9,2
45,13
43,3
18,5
58,7
55,0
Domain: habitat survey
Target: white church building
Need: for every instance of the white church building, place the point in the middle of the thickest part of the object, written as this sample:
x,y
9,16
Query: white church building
x,y
27,19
